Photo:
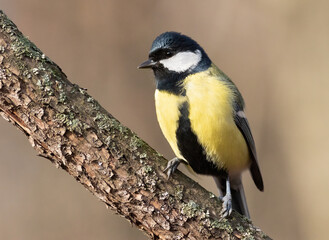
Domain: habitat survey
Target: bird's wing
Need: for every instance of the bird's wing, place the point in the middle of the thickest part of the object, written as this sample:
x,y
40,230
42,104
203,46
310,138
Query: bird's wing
x,y
242,123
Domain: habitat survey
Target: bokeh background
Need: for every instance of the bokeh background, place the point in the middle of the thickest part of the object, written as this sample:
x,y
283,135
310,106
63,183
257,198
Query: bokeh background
x,y
277,52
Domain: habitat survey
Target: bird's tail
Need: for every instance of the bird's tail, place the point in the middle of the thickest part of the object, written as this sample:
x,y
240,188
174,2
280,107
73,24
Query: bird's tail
x,y
239,202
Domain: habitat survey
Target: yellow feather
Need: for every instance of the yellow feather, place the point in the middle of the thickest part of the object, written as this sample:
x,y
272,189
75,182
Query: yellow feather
x,y
167,110
211,116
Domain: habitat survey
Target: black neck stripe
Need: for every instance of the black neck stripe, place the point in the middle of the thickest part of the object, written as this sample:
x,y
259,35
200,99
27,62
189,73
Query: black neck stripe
x,y
190,147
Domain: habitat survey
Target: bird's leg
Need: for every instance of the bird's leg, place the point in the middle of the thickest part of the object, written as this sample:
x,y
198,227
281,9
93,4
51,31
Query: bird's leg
x,y
227,200
172,166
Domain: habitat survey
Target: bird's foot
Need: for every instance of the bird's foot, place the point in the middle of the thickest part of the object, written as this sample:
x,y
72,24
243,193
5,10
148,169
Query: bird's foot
x,y
172,166
226,205
227,200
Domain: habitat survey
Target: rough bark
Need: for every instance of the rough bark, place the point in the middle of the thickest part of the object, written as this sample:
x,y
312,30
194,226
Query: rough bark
x,y
67,126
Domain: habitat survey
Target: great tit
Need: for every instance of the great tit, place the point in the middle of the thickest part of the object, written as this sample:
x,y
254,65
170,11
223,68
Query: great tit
x,y
201,114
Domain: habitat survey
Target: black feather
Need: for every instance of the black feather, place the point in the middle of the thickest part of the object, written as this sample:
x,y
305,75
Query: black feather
x,y
242,124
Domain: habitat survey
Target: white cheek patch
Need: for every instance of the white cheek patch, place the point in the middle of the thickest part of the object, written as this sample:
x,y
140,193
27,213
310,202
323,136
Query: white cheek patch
x,y
182,61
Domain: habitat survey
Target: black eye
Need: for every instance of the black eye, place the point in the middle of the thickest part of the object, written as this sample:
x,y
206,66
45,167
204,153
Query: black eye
x,y
168,54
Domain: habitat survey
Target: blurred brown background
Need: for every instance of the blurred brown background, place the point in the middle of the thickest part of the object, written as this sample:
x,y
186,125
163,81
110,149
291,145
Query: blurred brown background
x,y
277,52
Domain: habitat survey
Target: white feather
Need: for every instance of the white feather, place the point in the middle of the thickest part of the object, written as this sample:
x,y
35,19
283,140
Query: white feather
x,y
241,114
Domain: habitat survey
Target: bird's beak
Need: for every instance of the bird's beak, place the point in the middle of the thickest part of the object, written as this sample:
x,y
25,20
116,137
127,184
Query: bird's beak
x,y
147,64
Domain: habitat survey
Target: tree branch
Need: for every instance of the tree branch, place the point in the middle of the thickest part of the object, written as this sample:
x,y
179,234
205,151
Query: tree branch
x,y
67,126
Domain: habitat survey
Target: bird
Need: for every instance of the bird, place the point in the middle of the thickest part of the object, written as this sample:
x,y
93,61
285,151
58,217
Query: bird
x,y
201,114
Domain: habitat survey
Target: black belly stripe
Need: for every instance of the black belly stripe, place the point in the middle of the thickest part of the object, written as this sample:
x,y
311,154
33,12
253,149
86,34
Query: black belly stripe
x,y
189,146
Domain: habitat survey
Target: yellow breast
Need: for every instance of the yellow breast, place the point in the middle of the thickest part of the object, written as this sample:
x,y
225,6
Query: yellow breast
x,y
167,110
211,116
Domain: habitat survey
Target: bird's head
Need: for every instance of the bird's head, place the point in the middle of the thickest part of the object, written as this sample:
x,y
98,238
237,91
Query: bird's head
x,y
174,53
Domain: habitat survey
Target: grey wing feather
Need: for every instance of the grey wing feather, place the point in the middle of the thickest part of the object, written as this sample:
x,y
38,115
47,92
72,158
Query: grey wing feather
x,y
242,123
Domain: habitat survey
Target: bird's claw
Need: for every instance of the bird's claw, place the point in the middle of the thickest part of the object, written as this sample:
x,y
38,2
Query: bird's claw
x,y
172,166
226,206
